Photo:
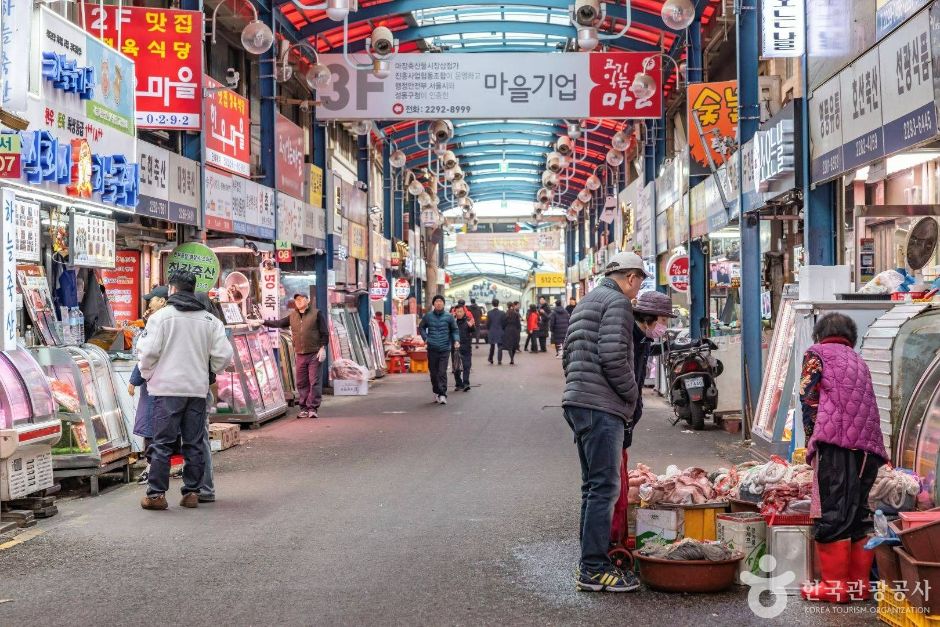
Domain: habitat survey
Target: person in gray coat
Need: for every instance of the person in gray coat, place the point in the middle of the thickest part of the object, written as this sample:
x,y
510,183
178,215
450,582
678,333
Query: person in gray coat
x,y
600,395
494,326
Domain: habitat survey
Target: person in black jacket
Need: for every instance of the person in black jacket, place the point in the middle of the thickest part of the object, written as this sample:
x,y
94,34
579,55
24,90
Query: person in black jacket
x,y
476,312
512,330
558,325
600,397
494,326
463,356
544,313
571,305
651,312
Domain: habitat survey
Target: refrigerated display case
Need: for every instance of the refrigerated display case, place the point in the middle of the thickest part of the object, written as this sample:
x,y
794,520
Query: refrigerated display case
x,y
251,389
123,365
94,437
28,426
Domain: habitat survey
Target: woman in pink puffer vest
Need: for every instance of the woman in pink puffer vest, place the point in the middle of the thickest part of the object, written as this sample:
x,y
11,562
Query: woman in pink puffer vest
x,y
846,448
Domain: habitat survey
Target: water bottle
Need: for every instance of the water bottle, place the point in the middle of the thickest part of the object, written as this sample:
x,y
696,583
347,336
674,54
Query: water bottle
x,y
29,338
74,339
80,319
881,524
65,326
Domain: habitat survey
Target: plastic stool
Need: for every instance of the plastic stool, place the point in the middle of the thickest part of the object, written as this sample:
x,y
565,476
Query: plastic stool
x,y
419,366
396,364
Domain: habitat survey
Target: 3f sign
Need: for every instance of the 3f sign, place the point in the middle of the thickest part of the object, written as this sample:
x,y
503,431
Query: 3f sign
x,y
336,96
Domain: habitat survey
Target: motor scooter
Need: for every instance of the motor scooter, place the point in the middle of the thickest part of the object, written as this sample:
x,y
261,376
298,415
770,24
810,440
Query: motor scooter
x,y
690,373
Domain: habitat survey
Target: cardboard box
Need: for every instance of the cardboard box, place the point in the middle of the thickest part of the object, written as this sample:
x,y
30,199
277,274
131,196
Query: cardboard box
x,y
223,436
350,388
745,532
658,526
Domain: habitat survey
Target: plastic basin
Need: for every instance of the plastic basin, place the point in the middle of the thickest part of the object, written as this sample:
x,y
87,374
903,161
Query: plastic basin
x,y
922,541
910,520
920,578
687,576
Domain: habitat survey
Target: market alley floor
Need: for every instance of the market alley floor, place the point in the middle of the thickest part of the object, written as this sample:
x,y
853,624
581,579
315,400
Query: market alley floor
x,y
389,510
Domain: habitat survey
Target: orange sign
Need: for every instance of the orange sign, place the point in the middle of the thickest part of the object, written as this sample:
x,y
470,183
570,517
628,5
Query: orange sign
x,y
716,107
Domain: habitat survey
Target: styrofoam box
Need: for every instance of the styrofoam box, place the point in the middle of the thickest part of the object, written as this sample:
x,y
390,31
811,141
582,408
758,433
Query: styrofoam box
x,y
350,388
745,532
822,283
658,525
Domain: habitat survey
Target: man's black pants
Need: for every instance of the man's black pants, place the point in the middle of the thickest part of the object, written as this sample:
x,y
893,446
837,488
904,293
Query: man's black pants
x,y
437,366
177,416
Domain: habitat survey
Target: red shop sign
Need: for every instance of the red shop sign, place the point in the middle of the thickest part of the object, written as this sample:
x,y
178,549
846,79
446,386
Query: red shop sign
x,y
122,286
613,74
290,157
166,46
284,255
226,130
379,288
677,273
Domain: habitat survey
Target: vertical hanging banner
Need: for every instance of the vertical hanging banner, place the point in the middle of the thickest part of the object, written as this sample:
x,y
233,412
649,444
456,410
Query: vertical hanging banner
x,y
783,28
315,186
289,161
8,271
715,106
166,46
227,129
495,86
16,23
270,288
122,286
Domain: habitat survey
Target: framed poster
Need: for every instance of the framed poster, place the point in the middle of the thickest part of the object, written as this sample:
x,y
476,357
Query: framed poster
x,y
91,241
37,298
26,217
122,286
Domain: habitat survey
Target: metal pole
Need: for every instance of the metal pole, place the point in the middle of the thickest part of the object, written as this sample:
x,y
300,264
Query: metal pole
x,y
698,262
388,193
363,168
748,123
658,160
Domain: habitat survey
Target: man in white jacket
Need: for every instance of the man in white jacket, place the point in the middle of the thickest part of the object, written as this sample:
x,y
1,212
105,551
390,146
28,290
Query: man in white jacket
x,y
180,346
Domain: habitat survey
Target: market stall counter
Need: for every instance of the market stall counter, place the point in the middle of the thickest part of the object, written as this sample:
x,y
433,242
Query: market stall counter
x,y
28,426
94,436
251,389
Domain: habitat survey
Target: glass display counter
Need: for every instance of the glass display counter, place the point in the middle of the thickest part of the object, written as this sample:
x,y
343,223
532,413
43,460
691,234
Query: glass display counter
x,y
28,426
251,389
287,363
94,438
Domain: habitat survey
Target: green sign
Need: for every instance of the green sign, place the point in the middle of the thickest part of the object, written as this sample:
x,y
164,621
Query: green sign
x,y
198,259
282,244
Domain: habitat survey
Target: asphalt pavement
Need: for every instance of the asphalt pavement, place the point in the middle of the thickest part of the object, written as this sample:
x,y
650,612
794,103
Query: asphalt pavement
x,y
388,510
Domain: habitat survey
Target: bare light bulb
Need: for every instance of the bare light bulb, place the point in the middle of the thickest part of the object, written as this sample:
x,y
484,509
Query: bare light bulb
x,y
318,76
593,183
415,188
397,159
678,14
549,179
614,157
587,38
584,196
361,127
577,206
424,199
257,37
620,141
643,86
337,10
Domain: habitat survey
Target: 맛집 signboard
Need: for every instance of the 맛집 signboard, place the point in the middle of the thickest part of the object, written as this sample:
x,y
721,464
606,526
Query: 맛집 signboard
x,y
715,106
122,286
166,46
481,86
227,129
289,162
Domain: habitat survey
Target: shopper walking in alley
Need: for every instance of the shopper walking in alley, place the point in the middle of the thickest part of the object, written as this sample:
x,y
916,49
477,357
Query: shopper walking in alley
x,y
494,331
181,345
845,447
542,334
599,398
463,356
558,326
476,312
311,336
439,330
531,328
512,332
572,302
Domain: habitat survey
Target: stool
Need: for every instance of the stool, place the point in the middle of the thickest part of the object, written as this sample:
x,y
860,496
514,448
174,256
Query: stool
x,y
396,364
419,366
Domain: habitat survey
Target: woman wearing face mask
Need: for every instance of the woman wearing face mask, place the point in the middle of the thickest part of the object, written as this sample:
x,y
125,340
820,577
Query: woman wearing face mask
x,y
651,313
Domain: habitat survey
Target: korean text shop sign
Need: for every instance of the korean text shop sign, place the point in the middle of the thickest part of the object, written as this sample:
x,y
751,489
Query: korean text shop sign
x,y
166,46
82,121
494,85
227,129
882,103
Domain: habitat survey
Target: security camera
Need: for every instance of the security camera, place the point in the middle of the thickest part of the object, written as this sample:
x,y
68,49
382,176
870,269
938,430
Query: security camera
x,y
564,146
231,78
383,42
544,195
450,160
555,162
587,12
442,130
461,189
459,174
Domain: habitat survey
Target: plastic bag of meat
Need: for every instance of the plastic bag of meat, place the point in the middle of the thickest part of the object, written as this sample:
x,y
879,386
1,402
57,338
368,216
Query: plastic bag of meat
x,y
348,370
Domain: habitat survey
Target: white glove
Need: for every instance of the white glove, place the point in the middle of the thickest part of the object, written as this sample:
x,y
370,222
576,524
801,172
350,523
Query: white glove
x,y
456,344
321,354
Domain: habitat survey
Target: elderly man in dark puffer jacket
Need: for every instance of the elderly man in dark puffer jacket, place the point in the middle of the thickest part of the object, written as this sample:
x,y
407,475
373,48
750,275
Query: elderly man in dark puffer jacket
x,y
600,396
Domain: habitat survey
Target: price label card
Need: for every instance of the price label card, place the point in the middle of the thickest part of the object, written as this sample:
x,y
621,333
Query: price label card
x,y
861,84
825,116
910,116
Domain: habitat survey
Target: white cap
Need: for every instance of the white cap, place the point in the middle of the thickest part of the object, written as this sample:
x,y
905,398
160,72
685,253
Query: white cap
x,y
625,261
